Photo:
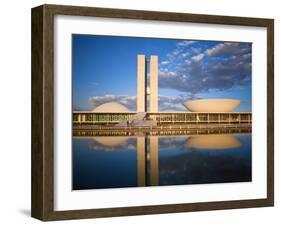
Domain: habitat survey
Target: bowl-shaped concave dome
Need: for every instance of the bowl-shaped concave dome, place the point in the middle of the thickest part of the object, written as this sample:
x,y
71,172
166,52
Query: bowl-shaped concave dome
x,y
212,105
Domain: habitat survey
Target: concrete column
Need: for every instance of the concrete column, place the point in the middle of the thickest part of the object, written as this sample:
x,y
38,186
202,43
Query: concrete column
x,y
141,84
141,161
153,84
154,159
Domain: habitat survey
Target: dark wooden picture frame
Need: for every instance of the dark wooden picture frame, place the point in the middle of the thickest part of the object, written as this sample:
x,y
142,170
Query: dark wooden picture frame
x,y
43,112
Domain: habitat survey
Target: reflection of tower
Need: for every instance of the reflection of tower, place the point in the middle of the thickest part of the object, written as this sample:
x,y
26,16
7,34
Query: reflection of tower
x,y
142,161
142,89
154,165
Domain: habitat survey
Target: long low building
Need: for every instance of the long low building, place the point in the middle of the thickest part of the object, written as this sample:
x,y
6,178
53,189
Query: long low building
x,y
108,118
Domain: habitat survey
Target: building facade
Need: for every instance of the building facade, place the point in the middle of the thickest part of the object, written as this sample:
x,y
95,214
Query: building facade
x,y
147,94
92,118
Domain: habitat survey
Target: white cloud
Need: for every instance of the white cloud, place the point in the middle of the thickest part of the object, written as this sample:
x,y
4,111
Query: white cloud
x,y
185,43
165,62
195,50
227,65
166,103
128,101
165,73
215,50
229,49
185,54
176,52
198,57
231,69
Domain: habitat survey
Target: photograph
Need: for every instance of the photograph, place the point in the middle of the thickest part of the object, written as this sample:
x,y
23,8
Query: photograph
x,y
152,111
139,112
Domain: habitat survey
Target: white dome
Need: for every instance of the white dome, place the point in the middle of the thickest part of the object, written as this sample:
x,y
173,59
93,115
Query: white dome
x,y
212,105
111,107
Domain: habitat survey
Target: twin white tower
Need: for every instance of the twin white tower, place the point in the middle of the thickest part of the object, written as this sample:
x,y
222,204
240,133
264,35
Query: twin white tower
x,y
143,91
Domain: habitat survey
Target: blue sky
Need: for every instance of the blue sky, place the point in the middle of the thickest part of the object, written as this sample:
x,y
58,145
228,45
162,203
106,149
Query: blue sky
x,y
104,70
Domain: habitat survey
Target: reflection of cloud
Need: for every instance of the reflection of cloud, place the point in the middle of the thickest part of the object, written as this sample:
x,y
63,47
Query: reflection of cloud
x,y
111,143
214,141
171,142
200,167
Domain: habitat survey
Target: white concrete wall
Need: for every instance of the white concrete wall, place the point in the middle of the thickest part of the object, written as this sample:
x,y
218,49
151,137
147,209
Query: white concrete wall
x,y
141,84
153,86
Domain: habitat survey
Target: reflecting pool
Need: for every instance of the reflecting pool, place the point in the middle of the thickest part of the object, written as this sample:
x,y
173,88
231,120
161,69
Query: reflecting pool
x,y
131,161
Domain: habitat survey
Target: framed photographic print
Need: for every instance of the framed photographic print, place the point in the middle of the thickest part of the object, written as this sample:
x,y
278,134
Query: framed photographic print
x,y
141,112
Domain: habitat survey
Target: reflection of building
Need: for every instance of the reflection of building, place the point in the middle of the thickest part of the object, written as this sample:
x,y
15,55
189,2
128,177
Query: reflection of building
x,y
111,141
143,150
150,147
154,160
141,161
214,141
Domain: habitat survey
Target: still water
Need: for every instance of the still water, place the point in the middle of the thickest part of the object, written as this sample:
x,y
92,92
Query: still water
x,y
124,161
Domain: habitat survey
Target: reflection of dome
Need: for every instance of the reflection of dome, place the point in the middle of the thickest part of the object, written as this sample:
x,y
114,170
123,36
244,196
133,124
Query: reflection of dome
x,y
111,107
112,141
214,141
212,105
